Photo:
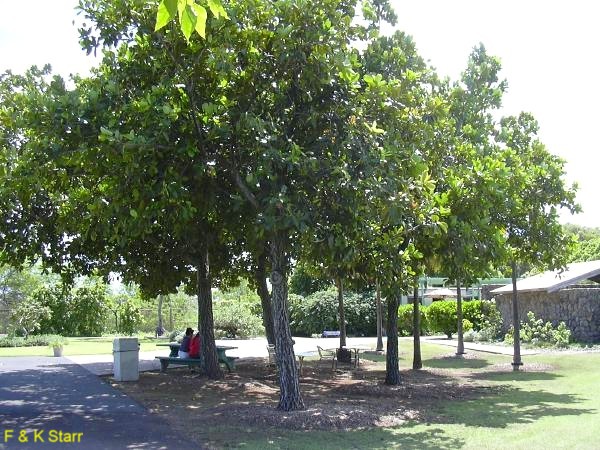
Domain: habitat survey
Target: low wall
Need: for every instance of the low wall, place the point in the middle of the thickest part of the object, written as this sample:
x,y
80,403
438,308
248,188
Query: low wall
x,y
579,308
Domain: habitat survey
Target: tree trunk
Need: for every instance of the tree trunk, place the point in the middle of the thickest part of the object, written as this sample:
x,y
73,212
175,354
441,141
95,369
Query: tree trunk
x,y
460,348
392,371
205,318
516,323
417,361
289,395
379,318
341,315
170,314
265,298
160,317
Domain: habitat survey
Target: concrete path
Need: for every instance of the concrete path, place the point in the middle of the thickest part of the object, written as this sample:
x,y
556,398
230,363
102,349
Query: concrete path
x,y
46,393
246,348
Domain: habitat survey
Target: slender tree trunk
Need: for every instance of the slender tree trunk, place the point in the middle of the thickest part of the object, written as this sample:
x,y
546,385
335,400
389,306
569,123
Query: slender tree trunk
x,y
170,315
265,298
341,315
417,362
460,348
516,323
160,317
289,395
379,318
392,370
205,318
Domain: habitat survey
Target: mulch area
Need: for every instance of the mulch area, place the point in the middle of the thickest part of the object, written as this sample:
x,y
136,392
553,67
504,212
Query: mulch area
x,y
334,400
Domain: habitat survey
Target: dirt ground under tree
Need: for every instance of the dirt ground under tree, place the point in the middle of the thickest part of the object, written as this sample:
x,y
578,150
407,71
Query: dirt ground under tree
x,y
347,398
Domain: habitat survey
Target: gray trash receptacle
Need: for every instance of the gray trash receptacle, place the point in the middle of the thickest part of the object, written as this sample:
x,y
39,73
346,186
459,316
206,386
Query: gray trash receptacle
x,y
126,359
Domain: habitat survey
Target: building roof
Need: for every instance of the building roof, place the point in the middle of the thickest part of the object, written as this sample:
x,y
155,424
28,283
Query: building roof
x,y
555,280
440,293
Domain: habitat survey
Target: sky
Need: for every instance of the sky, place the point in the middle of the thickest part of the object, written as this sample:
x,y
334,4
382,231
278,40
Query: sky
x,y
548,50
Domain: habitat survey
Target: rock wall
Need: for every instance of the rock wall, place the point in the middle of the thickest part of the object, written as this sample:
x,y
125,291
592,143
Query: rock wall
x,y
579,308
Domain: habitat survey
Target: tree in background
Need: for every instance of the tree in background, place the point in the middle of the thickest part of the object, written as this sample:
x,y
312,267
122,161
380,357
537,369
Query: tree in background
x,y
534,191
587,245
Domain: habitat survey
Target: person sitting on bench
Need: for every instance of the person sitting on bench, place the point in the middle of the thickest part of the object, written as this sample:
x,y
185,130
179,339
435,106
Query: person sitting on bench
x,y
195,346
184,348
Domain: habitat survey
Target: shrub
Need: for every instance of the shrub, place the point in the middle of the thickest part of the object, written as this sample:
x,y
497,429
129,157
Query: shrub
x,y
539,334
470,336
466,325
129,318
234,319
31,341
405,320
319,311
441,317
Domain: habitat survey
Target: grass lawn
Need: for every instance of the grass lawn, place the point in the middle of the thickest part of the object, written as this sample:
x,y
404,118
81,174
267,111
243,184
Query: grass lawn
x,y
554,404
78,346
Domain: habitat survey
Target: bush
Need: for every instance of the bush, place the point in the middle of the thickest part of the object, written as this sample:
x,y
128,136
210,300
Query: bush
x,y
441,317
482,314
405,320
539,334
234,319
129,318
31,341
470,336
466,325
77,312
319,311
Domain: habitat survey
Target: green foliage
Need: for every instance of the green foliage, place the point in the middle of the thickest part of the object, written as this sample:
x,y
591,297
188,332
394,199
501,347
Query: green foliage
x,y
73,312
304,283
539,334
319,311
235,319
405,320
483,314
29,315
587,242
129,317
467,325
32,341
441,317
17,284
86,311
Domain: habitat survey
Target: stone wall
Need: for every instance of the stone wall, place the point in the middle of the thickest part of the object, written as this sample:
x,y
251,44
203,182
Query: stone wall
x,y
579,308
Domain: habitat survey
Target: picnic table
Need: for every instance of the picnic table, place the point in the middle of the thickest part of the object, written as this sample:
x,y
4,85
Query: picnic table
x,y
355,349
173,357
301,356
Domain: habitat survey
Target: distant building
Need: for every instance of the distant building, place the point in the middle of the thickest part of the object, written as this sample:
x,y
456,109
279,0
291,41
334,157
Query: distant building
x,y
571,296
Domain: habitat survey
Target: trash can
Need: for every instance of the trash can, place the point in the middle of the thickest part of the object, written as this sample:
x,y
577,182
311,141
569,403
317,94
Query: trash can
x,y
126,359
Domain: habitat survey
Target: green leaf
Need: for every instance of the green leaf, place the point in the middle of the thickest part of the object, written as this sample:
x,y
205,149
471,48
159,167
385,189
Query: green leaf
x,y
217,9
166,11
133,213
200,12
188,21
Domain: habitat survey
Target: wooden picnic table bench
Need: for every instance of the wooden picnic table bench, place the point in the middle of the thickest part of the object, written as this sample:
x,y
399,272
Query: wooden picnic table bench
x,y
229,361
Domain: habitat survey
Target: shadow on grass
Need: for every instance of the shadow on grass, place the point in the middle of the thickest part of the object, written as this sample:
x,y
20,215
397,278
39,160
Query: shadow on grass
x,y
515,376
510,406
456,362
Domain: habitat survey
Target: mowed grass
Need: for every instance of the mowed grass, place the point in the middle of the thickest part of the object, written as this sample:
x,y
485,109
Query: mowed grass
x,y
79,346
555,406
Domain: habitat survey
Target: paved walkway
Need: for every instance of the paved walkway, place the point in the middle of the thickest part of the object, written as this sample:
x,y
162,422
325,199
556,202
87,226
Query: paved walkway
x,y
47,393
